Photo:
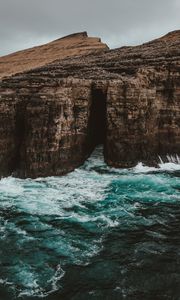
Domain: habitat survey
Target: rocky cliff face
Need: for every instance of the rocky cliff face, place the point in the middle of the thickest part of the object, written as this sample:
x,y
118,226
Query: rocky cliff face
x,y
128,99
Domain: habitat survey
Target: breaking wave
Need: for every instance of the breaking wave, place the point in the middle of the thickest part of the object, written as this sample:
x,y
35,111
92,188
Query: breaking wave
x,y
102,229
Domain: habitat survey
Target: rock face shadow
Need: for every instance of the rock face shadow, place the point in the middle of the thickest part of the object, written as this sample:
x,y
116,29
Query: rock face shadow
x,y
98,118
56,113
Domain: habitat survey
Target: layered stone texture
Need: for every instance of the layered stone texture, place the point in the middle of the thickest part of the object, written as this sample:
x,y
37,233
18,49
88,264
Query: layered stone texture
x,y
143,119
128,99
69,46
46,131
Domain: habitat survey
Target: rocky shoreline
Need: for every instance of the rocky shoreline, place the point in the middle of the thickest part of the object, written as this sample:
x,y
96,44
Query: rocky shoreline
x,y
53,113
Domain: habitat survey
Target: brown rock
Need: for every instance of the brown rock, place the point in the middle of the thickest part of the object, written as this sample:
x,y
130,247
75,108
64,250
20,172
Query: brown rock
x,y
71,45
128,98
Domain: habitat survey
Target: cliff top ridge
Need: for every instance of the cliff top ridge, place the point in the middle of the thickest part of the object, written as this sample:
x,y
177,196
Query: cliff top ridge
x,y
72,45
75,45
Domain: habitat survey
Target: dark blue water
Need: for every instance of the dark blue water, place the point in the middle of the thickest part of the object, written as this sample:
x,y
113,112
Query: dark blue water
x,y
97,233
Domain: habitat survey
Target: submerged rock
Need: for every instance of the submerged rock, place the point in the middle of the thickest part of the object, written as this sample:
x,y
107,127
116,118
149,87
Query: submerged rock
x,y
54,115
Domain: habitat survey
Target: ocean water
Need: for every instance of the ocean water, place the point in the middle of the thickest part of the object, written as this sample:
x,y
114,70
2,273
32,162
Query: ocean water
x,y
96,233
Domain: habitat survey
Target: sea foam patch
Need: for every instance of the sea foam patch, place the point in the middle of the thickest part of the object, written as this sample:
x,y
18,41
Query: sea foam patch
x,y
49,224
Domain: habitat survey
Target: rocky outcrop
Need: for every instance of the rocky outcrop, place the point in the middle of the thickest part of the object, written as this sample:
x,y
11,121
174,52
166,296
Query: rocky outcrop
x,y
128,99
66,47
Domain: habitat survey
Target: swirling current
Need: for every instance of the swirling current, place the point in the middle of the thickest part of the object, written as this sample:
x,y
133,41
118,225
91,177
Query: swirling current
x,y
96,233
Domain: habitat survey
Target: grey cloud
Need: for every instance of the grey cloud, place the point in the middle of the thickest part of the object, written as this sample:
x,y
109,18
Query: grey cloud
x,y
25,23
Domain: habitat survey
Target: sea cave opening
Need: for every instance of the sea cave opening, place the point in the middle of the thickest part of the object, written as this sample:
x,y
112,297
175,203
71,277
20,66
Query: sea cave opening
x,y
97,120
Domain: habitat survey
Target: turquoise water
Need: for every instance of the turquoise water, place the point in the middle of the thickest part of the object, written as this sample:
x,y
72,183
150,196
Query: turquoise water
x,y
97,233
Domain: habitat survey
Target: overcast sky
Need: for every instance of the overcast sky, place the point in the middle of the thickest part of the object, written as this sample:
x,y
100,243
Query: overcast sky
x,y
25,23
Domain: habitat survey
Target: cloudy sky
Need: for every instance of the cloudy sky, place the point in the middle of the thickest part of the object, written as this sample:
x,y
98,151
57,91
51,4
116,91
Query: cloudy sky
x,y
25,23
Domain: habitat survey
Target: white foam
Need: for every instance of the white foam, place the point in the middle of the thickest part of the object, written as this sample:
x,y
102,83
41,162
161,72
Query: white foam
x,y
2,281
55,279
169,167
11,186
32,288
170,163
141,168
162,166
58,196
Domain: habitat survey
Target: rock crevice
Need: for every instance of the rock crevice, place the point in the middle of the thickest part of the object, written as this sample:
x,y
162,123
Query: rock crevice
x,y
53,116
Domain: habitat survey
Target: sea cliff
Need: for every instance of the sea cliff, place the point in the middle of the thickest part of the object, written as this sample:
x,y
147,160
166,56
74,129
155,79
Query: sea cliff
x,y
60,100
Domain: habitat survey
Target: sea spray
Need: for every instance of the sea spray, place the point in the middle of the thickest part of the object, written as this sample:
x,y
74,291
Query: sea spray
x,y
109,232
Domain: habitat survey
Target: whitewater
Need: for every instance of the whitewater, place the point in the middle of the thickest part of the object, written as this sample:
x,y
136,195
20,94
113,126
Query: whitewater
x,y
96,233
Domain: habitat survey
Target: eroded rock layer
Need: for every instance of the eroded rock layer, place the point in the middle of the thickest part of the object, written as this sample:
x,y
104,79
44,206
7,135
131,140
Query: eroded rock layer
x,y
128,99
66,47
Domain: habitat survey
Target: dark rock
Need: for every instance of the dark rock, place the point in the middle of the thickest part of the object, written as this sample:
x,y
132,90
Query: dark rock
x,y
128,98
